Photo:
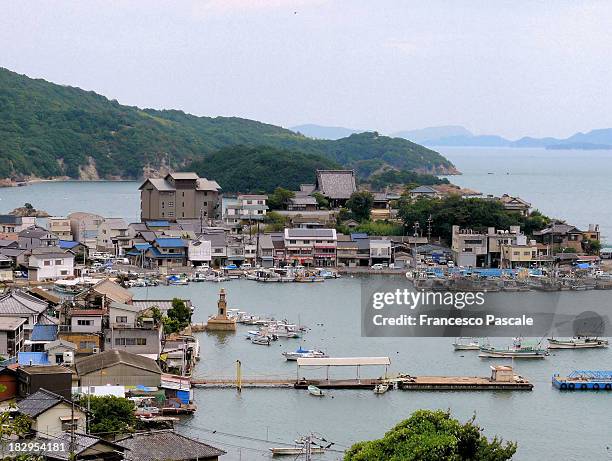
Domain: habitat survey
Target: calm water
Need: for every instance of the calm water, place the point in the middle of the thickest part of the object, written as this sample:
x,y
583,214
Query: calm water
x,y
538,420
575,185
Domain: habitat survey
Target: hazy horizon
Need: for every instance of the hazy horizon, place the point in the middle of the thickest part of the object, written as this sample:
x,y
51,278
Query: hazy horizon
x,y
514,69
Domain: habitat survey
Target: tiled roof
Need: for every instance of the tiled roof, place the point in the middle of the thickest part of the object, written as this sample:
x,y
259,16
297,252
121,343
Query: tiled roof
x,y
81,444
208,184
39,402
423,190
35,232
44,332
170,242
159,183
111,290
178,175
167,445
60,343
21,303
303,200
336,184
113,357
86,312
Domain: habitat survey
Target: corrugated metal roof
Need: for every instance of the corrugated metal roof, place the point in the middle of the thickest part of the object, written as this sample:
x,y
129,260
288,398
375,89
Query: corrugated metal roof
x,y
113,357
44,332
32,358
170,242
343,361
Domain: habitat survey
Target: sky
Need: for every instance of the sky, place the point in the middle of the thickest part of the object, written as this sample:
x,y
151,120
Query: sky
x,y
514,68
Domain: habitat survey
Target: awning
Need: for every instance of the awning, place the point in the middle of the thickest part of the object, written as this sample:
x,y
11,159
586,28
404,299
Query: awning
x,y
343,361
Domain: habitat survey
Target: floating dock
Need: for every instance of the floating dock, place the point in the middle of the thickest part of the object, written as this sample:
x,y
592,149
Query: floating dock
x,y
584,380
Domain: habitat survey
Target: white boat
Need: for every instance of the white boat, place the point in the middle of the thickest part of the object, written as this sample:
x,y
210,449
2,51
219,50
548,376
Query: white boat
x,y
381,388
467,344
577,342
314,390
261,340
518,350
294,451
284,330
177,280
304,353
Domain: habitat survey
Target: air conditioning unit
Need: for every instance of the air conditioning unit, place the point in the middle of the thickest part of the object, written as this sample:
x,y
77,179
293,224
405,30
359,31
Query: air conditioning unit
x,y
96,350
68,357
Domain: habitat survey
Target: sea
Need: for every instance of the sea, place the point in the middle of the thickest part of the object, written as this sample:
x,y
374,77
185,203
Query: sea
x,y
546,423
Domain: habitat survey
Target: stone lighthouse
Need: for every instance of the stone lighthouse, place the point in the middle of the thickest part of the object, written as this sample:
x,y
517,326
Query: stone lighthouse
x,y
221,322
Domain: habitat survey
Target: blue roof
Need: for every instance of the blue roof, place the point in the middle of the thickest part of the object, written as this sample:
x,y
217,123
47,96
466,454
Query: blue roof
x,y
359,235
44,333
67,244
142,246
158,224
155,253
170,242
32,358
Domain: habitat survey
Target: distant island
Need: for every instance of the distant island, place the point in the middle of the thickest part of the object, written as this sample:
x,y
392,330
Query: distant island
x,y
54,131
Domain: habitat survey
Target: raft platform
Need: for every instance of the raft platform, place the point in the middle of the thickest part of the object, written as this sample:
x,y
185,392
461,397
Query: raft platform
x,y
584,380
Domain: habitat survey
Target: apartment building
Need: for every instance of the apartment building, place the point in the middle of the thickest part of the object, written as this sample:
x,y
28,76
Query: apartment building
x,y
311,247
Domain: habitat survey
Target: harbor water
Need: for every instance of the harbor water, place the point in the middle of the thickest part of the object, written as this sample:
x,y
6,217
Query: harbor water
x,y
540,420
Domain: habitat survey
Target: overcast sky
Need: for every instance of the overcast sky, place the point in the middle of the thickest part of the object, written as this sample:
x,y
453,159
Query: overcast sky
x,y
507,67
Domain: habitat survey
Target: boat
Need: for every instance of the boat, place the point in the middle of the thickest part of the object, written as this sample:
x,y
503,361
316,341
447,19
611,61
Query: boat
x,y
284,330
381,388
294,451
584,380
577,342
314,390
177,280
518,350
305,353
467,344
309,279
261,340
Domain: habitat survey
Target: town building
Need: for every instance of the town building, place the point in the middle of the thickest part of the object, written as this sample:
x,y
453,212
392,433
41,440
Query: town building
x,y
424,191
380,251
306,203
336,185
118,367
35,237
112,236
52,414
17,303
469,247
8,383
561,237
53,378
50,263
515,204
60,352
179,196
522,253
12,224
84,228
246,209
312,247
11,336
129,332
84,446
167,252
60,226
86,320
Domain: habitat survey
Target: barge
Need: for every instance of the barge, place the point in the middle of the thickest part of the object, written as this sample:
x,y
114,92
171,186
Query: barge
x,y
584,380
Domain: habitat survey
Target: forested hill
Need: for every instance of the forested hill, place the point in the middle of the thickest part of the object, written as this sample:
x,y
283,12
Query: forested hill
x,y
49,130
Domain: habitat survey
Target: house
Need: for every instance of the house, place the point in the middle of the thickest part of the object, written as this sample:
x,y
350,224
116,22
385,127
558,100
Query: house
x,y
52,413
470,248
306,203
347,252
35,237
179,196
11,336
60,226
54,378
103,293
522,253
218,248
6,268
199,252
60,352
118,367
42,335
380,251
561,237
167,445
246,209
113,236
50,263
280,255
12,224
515,204
423,191
336,185
133,334
86,320
84,228
84,446
311,246
18,303
167,252
33,358
86,343
8,383
266,250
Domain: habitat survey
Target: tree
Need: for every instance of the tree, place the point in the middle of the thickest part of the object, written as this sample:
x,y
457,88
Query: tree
x,y
179,317
360,203
279,199
432,436
322,202
275,222
111,415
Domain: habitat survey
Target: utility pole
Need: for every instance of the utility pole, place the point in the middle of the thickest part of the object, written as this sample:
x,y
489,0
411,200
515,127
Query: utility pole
x,y
429,221
257,247
239,375
72,454
416,235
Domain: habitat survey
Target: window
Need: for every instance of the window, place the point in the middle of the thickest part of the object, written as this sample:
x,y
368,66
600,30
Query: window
x,y
170,204
87,344
68,424
163,204
47,263
293,242
121,319
183,194
58,262
64,272
183,205
205,203
84,322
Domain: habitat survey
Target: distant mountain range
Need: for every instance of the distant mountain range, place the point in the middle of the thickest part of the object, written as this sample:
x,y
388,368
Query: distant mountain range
x,y
459,136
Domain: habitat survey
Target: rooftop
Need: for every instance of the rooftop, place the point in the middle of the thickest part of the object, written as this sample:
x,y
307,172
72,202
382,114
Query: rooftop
x,y
336,184
39,402
11,323
167,445
111,358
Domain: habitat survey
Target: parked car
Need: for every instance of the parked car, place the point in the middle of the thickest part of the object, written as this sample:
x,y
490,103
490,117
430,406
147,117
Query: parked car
x,y
377,267
450,264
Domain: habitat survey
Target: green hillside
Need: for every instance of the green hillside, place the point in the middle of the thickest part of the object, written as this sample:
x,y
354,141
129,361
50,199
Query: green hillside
x,y
52,130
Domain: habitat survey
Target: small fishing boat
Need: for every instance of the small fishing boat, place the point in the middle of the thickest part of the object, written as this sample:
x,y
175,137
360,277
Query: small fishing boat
x,y
577,342
261,340
295,451
314,390
381,388
309,279
304,353
467,344
177,280
518,350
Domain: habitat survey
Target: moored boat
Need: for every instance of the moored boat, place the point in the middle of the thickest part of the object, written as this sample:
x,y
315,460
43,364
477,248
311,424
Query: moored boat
x,y
583,380
577,342
288,451
314,390
381,388
467,344
519,349
304,353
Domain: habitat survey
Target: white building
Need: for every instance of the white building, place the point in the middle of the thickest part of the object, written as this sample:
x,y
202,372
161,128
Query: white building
x,y
50,263
246,208
311,246
199,251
